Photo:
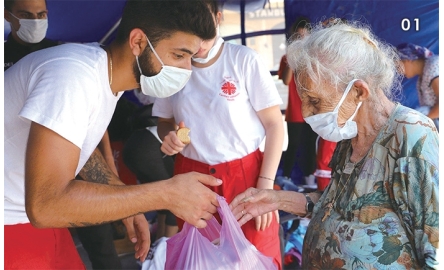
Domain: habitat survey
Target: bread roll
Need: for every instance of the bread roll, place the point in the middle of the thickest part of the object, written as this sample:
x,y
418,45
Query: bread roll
x,y
182,133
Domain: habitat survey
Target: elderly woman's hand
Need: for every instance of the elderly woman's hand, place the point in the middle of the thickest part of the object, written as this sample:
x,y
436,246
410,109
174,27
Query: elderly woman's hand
x,y
253,203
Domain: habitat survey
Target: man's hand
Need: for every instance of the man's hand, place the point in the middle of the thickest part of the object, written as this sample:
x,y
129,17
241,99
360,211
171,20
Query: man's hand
x,y
190,200
138,231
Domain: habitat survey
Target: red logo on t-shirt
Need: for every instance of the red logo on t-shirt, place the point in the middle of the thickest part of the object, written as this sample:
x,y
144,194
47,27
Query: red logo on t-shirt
x,y
228,88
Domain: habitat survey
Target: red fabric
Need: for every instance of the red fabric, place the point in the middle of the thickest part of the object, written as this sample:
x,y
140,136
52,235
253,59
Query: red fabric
x,y
27,247
293,112
325,153
322,183
127,176
283,64
237,176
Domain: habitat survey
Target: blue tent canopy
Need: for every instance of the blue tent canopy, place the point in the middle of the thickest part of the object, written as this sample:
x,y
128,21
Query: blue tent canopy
x,y
395,22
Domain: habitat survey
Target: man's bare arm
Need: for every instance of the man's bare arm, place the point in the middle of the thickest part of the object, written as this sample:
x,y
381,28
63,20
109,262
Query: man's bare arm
x,y
54,198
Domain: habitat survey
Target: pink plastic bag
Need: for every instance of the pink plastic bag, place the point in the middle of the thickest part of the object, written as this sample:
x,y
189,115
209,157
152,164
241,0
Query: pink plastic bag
x,y
215,246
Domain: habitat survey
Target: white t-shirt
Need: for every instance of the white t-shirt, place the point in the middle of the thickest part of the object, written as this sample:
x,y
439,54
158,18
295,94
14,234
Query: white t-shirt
x,y
142,98
64,88
220,103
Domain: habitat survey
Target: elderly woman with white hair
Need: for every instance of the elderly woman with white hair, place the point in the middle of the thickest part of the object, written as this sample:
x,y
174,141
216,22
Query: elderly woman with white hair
x,y
380,209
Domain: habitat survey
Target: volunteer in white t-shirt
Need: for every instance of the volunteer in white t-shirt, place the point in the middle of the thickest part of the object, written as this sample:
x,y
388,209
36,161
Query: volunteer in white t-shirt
x,y
58,104
229,104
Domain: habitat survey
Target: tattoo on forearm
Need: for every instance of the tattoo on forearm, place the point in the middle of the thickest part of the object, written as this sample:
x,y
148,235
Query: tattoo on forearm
x,y
96,170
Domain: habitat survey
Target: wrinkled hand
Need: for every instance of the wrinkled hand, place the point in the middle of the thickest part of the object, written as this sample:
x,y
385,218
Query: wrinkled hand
x,y
191,200
138,231
171,144
254,203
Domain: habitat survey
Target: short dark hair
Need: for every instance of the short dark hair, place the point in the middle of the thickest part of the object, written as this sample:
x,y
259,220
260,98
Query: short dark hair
x,y
160,19
10,3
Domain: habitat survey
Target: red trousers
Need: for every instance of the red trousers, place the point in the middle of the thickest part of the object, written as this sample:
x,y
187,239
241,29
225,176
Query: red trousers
x,y
323,172
27,247
237,176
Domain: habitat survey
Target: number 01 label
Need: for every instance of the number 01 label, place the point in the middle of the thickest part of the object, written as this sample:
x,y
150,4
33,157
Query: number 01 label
x,y
406,24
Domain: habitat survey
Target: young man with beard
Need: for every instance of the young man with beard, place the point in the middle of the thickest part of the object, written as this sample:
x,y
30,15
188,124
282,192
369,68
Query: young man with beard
x,y
28,20
58,104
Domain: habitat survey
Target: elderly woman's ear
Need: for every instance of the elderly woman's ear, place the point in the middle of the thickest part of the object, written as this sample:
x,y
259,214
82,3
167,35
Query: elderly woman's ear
x,y
362,90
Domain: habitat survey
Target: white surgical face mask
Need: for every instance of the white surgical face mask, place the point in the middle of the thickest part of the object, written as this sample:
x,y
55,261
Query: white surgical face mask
x,y
326,124
32,30
167,82
212,52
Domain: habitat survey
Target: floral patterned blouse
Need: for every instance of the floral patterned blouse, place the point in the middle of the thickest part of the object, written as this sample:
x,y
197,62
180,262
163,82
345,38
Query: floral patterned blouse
x,y
385,207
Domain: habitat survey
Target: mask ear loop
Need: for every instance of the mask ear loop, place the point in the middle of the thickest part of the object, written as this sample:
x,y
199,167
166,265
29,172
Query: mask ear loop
x,y
349,86
356,111
152,49
15,16
137,60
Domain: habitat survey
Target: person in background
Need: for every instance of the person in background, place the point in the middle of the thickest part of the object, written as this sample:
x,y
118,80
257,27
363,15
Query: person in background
x,y
324,153
59,102
238,107
142,155
381,209
420,61
28,20
301,138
